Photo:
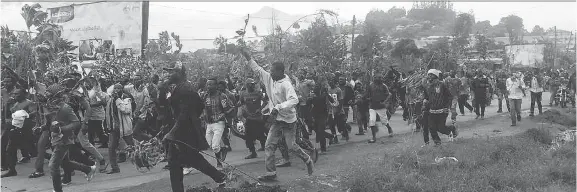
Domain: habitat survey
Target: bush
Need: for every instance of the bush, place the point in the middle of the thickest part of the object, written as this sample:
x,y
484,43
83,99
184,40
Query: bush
x,y
515,163
540,135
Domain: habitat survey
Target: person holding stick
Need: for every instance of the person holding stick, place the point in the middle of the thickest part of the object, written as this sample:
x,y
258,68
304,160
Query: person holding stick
x,y
184,139
283,99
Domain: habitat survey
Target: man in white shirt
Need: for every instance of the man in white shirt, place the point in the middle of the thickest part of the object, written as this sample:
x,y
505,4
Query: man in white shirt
x,y
515,87
536,90
283,99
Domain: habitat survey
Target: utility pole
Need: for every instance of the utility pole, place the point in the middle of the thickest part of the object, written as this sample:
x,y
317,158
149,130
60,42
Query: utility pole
x,y
144,37
555,48
353,39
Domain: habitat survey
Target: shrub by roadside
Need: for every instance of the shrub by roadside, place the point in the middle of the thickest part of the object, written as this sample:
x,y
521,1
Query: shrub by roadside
x,y
516,163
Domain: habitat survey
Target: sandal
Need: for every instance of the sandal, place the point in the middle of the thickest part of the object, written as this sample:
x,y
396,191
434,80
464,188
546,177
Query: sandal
x,y
36,175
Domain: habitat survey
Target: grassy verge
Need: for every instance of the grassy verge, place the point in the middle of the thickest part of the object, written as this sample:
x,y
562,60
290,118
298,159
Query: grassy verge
x,y
517,163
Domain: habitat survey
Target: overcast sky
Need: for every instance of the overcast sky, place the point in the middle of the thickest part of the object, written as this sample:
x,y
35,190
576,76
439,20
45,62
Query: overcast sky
x,y
545,14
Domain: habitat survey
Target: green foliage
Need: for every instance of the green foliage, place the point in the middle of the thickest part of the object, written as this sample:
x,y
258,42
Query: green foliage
x,y
378,22
17,52
438,13
405,48
32,15
482,45
397,13
499,164
514,26
537,30
481,26
463,27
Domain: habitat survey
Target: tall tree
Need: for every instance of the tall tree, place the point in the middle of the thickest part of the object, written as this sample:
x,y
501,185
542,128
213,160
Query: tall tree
x,y
482,45
537,30
406,51
378,21
328,48
481,26
514,26
462,29
396,12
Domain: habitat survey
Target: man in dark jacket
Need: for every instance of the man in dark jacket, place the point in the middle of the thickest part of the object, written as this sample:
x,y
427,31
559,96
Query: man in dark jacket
x,y
348,97
379,98
479,87
437,103
502,92
185,139
391,79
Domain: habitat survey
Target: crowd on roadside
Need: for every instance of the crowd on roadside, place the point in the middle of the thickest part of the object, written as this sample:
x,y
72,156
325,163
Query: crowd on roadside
x,y
70,115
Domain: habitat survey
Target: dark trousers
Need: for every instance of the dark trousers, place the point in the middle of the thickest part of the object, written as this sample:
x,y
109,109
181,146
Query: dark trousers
x,y
226,133
363,118
339,121
28,147
463,103
14,140
506,104
114,141
320,125
61,158
41,147
435,124
198,162
95,129
141,130
416,114
305,114
4,147
536,98
75,154
254,131
480,104
515,110
346,115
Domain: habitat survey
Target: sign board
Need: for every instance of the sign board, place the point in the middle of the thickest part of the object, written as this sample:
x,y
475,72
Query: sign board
x,y
525,55
102,29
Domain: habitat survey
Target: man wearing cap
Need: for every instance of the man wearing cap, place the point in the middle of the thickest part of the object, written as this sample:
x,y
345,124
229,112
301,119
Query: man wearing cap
x,y
184,138
250,100
282,102
436,103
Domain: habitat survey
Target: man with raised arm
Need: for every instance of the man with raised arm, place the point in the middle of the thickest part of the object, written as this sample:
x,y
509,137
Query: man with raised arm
x,y
283,99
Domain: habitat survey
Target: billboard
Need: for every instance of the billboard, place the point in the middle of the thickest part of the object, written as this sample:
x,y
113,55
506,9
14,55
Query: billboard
x,y
101,30
525,55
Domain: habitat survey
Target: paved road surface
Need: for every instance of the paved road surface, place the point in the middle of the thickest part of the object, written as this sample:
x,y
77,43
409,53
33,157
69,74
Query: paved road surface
x,y
129,176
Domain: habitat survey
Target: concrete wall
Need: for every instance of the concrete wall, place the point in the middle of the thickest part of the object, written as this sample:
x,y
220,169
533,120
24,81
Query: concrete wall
x,y
525,55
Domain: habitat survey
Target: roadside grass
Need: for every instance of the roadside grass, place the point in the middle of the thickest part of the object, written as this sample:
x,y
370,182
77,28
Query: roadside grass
x,y
521,162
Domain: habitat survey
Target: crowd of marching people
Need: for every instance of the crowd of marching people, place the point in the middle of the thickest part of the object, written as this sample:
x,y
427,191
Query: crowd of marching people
x,y
70,115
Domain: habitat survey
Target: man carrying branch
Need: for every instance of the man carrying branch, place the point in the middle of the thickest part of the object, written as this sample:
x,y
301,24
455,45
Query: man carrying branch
x,y
283,100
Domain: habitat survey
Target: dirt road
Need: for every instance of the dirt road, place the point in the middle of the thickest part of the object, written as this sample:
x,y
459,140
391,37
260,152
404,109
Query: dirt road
x,y
331,166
